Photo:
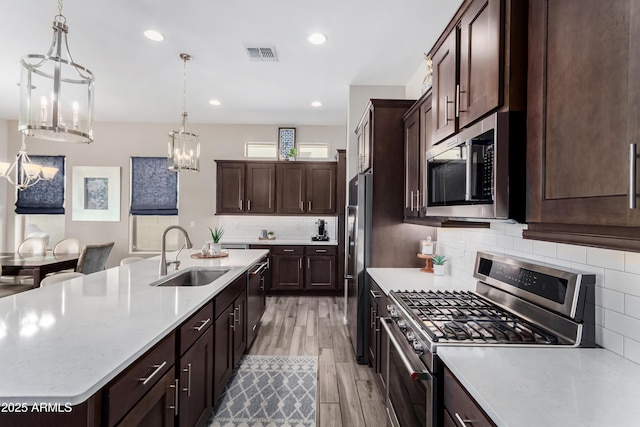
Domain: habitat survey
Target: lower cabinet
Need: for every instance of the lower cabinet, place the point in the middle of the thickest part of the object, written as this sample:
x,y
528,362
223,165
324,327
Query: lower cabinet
x,y
304,268
223,355
158,407
377,338
460,409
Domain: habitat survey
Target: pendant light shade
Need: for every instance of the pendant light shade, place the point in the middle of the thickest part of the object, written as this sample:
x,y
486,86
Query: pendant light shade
x,y
23,173
56,94
184,145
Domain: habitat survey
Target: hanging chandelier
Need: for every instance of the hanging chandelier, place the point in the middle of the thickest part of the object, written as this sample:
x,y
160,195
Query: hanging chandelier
x,y
56,94
23,173
184,145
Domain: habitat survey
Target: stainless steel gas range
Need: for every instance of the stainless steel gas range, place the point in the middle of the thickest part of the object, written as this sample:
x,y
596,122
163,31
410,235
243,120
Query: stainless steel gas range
x,y
516,303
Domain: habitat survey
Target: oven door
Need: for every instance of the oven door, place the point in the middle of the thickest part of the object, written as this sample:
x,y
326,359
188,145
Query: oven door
x,y
409,393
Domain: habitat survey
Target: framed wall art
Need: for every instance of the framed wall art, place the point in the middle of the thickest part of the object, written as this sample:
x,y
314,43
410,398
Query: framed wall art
x,y
286,143
96,193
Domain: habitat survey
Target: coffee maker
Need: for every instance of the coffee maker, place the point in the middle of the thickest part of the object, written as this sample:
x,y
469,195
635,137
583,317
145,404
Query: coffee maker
x,y
321,236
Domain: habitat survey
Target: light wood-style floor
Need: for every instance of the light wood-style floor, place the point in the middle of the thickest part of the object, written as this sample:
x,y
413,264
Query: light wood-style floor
x,y
313,326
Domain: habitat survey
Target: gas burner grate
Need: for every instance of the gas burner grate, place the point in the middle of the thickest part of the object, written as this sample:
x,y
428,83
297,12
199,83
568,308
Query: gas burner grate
x,y
463,316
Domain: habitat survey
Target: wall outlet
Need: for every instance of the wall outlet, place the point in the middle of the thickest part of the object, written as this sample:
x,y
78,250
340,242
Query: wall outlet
x,y
193,224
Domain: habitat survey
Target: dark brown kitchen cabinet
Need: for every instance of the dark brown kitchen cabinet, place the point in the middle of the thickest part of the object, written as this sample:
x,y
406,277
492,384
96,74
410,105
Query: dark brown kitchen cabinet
x,y
363,134
306,188
229,311
287,268
321,264
460,406
417,140
157,407
479,64
195,369
256,297
377,337
243,187
579,128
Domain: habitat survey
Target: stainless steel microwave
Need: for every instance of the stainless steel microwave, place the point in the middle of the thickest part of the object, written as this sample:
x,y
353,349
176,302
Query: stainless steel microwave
x,y
480,172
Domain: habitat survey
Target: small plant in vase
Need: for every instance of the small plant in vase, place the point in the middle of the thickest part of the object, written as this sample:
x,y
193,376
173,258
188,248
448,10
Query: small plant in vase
x,y
292,154
438,264
271,235
216,235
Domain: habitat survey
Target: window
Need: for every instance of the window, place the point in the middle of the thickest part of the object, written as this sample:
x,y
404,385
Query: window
x,y
45,197
49,227
154,204
313,150
261,150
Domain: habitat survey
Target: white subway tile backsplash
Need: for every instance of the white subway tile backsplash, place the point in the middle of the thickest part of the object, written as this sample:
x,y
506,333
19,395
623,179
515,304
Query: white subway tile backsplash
x,y
606,258
284,227
617,275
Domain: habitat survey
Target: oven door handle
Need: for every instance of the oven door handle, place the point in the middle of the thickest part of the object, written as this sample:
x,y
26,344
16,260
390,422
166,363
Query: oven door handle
x,y
416,374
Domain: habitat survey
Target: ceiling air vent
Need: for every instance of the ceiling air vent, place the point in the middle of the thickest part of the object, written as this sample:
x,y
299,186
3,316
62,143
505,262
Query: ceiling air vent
x,y
262,54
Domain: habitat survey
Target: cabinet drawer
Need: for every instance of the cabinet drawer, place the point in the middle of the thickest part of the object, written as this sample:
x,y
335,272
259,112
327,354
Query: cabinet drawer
x,y
287,250
321,250
230,293
127,389
458,402
195,326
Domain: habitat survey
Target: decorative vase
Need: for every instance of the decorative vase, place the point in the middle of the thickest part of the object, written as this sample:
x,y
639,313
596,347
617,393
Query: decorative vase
x,y
215,248
438,270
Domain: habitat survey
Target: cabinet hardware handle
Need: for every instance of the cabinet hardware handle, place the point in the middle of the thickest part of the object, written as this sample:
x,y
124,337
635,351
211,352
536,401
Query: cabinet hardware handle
x,y
308,264
462,422
309,210
188,371
411,198
446,110
157,369
633,158
233,321
377,329
199,328
458,109
237,319
262,283
301,205
373,318
300,263
248,205
418,200
240,204
374,294
174,386
321,251
287,250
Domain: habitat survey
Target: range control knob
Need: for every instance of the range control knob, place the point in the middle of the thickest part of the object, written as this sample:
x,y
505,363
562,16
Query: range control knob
x,y
418,346
392,312
402,324
410,336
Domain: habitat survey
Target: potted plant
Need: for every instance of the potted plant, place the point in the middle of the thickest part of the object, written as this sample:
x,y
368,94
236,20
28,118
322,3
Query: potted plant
x,y
292,154
438,264
216,235
271,235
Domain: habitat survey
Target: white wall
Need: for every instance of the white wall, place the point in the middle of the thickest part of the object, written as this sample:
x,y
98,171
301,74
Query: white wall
x,y
617,275
116,142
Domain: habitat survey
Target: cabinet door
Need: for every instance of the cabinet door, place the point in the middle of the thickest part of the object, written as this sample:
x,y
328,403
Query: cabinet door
x,y
578,129
321,272
230,183
374,334
444,87
287,272
479,89
411,163
261,188
290,194
157,407
364,143
426,141
321,188
240,330
254,305
196,380
223,351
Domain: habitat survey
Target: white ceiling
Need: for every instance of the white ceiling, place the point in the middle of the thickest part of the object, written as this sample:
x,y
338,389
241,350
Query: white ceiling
x,y
369,42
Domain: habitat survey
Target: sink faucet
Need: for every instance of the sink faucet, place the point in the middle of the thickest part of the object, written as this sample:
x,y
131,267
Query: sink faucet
x,y
163,248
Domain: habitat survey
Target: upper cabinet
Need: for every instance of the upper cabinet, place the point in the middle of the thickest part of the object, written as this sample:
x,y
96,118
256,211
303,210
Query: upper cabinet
x,y
583,114
417,140
276,188
306,188
245,187
479,64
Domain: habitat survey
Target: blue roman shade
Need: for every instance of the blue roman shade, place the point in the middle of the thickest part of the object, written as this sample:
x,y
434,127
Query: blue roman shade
x,y
154,188
45,197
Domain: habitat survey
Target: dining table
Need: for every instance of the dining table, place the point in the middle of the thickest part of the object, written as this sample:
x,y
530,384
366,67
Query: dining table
x,y
38,266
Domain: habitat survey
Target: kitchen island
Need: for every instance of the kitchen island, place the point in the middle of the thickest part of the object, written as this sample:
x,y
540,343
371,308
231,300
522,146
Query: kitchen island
x,y
62,343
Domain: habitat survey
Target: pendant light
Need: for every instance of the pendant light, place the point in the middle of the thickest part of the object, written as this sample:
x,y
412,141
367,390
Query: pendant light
x,y
184,145
56,94
23,173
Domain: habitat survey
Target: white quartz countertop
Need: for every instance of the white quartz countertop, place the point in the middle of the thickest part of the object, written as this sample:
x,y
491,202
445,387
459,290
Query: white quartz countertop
x,y
548,386
276,241
412,279
63,342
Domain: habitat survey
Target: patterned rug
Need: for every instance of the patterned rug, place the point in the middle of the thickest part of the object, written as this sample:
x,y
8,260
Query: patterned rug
x,y
269,391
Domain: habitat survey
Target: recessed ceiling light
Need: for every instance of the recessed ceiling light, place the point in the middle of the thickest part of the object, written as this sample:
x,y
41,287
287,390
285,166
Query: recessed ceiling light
x,y
214,102
317,38
153,35
316,104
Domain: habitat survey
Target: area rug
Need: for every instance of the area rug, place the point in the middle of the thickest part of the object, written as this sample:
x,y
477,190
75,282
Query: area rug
x,y
269,391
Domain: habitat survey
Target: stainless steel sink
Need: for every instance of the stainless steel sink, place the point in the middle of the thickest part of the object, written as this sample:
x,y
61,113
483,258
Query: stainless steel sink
x,y
194,276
